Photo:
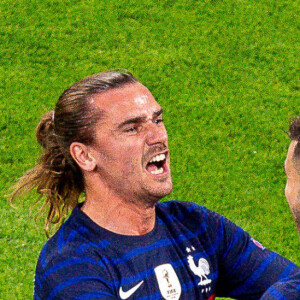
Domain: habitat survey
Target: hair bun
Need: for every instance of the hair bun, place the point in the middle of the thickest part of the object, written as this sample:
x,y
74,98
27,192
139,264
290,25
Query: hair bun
x,y
45,129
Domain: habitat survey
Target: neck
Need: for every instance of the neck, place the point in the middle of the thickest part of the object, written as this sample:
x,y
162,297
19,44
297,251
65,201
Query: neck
x,y
119,215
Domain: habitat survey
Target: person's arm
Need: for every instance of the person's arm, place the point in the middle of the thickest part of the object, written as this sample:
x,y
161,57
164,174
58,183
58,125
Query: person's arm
x,y
247,270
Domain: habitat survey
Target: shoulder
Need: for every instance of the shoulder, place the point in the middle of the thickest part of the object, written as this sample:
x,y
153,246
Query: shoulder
x,y
197,218
72,271
71,256
176,206
190,214
75,245
182,209
69,238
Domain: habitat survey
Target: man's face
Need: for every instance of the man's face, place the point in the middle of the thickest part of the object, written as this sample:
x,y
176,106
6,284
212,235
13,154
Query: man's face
x,y
292,170
131,145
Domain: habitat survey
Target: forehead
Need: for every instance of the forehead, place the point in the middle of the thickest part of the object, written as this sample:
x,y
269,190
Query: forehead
x,y
129,101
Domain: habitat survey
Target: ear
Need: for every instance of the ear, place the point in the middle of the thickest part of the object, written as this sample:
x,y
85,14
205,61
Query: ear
x,y
83,158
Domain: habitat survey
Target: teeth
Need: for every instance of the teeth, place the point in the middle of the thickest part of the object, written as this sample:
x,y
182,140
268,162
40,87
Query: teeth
x,y
158,171
158,157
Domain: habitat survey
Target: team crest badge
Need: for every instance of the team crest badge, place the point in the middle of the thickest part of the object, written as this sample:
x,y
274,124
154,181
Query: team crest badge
x,y
202,270
168,282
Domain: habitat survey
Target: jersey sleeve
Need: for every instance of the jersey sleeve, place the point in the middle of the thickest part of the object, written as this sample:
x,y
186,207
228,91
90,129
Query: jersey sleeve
x,y
247,270
72,278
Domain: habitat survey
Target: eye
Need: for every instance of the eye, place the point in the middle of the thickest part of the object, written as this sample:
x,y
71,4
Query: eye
x,y
157,121
131,129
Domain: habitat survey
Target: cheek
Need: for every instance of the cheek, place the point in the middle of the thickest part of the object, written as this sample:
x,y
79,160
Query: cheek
x,y
130,163
125,155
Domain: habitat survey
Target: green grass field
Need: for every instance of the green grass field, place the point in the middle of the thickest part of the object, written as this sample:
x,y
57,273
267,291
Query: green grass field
x,y
224,71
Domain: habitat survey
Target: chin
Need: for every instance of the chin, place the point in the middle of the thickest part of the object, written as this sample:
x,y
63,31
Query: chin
x,y
162,192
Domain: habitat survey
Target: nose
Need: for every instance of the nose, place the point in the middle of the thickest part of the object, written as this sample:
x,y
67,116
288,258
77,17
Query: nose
x,y
156,134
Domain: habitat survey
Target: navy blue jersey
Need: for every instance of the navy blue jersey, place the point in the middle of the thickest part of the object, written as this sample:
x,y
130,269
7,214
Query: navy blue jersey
x,y
192,253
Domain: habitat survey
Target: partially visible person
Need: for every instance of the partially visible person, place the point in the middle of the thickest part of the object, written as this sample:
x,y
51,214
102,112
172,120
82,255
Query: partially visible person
x,y
292,169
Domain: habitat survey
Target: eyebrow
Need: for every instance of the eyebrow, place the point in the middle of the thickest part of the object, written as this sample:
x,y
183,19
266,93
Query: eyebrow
x,y
139,119
158,113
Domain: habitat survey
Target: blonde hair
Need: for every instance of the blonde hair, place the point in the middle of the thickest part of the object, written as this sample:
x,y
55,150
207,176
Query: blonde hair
x,y
57,178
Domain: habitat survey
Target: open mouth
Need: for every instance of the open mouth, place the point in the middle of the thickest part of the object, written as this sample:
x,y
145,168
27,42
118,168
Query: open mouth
x,y
158,164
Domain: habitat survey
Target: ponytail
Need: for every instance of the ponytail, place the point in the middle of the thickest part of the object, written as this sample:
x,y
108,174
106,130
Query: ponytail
x,y
56,178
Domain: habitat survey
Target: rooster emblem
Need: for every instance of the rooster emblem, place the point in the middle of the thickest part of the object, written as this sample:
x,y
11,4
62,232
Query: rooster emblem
x,y
202,270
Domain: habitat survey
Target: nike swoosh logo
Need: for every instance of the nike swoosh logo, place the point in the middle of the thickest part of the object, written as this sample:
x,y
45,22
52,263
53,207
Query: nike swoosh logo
x,y
126,295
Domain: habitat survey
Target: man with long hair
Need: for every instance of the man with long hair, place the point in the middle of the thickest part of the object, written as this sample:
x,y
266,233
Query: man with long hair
x,y
106,140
